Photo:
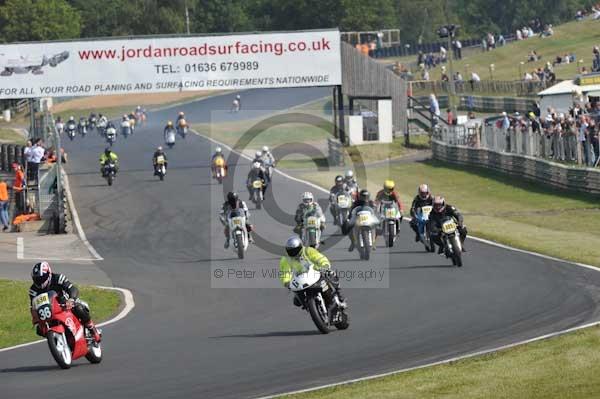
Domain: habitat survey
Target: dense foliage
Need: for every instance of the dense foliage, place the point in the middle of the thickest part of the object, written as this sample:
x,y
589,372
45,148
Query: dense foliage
x,y
25,20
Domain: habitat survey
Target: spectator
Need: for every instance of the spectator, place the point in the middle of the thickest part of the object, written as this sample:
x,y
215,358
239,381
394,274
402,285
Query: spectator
x,y
583,140
19,187
443,54
434,106
28,155
519,35
457,49
37,153
4,204
450,117
579,15
527,77
501,40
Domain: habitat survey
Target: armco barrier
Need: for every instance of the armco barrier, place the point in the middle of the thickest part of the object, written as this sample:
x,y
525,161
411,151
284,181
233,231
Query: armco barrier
x,y
585,180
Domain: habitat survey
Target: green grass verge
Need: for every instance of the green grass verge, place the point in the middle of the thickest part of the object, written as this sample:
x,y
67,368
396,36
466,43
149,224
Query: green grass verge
x,y
10,136
573,37
502,208
15,318
558,368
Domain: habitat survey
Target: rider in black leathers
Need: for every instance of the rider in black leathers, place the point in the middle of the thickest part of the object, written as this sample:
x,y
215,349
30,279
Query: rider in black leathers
x,y
440,212
423,198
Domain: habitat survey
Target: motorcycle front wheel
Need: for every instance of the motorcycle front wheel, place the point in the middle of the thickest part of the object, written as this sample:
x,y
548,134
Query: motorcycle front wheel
x,y
240,246
321,320
365,248
59,349
456,252
109,178
390,233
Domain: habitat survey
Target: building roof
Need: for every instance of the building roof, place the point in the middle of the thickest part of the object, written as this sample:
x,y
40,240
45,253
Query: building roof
x,y
568,87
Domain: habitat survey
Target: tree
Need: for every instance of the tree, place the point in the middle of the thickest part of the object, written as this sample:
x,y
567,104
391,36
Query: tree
x,y
27,20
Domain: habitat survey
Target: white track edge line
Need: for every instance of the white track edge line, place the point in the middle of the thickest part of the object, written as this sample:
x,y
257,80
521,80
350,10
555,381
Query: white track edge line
x,y
438,363
129,305
487,351
76,220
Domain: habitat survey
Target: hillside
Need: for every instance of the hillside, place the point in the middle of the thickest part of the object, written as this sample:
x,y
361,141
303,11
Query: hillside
x,y
574,37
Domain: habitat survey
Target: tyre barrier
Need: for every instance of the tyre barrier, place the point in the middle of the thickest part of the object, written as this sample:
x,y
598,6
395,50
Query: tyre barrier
x,y
19,154
10,155
4,157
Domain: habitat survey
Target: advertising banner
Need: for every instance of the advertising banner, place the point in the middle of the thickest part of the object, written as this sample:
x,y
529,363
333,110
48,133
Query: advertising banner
x,y
150,65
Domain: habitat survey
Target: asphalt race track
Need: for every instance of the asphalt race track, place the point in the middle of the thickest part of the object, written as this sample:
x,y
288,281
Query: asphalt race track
x,y
186,339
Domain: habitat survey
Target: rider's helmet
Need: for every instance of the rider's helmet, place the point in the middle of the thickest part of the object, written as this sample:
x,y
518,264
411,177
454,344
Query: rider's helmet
x,y
181,114
41,274
100,115
256,165
71,118
138,108
423,191
107,151
349,175
364,195
218,150
265,150
293,246
125,117
170,123
388,186
339,181
159,148
307,198
258,154
439,204
232,198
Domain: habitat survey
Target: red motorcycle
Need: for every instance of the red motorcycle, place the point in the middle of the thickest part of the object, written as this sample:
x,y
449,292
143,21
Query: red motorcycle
x,y
68,340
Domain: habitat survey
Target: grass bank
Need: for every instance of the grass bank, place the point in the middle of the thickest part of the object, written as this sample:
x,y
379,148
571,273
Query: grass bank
x,y
558,368
571,38
15,318
501,208
11,136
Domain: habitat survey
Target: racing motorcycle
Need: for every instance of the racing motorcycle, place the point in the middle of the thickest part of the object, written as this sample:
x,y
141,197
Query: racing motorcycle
x,y
311,234
343,203
141,117
238,232
111,135
82,126
170,138
422,217
392,218
71,129
319,296
182,128
68,339
92,122
256,193
109,172
132,123
451,241
220,170
160,168
125,128
363,232
102,123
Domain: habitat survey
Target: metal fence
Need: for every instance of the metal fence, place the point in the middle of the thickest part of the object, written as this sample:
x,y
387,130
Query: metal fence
x,y
566,148
510,87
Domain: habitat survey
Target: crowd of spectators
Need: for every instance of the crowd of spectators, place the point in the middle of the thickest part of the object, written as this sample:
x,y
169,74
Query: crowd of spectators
x,y
571,137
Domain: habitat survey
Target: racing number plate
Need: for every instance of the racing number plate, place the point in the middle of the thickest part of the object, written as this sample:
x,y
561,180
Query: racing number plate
x,y
342,201
237,221
426,210
41,300
312,221
390,213
449,227
257,184
160,159
363,218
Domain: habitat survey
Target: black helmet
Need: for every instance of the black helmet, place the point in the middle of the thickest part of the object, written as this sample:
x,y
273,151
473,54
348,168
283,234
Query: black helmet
x,y
41,274
439,203
293,246
232,198
107,151
364,195
339,180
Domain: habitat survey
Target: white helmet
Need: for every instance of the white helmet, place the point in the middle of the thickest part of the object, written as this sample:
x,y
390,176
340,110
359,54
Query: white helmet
x,y
256,165
258,154
307,197
349,174
71,118
218,150
265,149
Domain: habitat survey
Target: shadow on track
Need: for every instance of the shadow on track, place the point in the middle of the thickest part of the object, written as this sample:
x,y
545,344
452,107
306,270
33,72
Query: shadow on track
x,y
34,369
